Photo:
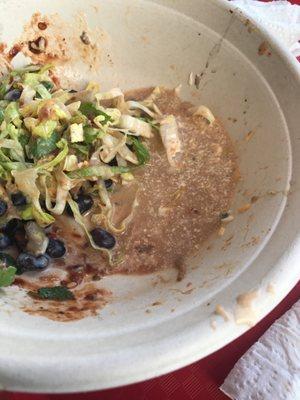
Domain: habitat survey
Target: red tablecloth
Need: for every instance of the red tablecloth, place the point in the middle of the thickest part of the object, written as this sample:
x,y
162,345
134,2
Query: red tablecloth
x,y
199,381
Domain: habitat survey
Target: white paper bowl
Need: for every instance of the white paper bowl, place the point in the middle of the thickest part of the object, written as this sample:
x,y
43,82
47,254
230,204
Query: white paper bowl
x,y
249,92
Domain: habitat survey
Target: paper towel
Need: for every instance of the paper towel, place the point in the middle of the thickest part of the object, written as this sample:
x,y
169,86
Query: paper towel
x,y
270,370
281,18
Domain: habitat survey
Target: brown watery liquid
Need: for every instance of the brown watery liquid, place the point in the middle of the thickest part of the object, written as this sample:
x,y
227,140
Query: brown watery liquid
x,y
178,209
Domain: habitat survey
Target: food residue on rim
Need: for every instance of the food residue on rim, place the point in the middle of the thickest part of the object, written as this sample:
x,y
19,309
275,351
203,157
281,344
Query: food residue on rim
x,y
245,312
87,302
264,49
50,39
222,312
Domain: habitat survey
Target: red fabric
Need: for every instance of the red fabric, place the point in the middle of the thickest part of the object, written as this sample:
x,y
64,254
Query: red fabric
x,y
199,381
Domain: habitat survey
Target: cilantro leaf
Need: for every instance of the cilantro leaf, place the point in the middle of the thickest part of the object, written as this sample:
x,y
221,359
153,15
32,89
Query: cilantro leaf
x,y
41,147
91,111
140,150
7,276
54,293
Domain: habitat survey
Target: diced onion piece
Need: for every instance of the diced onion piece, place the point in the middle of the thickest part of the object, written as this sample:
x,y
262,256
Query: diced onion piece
x,y
136,126
205,113
170,138
76,132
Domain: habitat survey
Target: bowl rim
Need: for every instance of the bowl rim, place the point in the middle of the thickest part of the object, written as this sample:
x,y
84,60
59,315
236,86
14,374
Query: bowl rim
x,y
190,352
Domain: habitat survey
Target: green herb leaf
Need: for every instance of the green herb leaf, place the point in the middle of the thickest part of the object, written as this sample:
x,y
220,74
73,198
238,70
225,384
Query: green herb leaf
x,y
91,134
41,147
24,139
91,111
140,150
7,276
60,293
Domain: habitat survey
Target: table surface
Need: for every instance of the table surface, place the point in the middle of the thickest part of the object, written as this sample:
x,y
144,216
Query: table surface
x,y
200,380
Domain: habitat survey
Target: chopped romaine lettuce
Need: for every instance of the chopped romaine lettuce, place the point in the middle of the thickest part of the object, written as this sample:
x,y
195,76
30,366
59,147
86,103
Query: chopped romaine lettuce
x,y
42,91
63,146
102,171
44,129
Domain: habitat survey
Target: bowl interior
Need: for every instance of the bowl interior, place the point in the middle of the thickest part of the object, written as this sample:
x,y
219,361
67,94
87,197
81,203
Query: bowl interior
x,y
159,43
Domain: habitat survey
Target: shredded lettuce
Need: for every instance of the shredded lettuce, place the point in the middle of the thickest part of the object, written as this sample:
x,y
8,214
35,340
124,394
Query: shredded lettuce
x,y
170,138
11,112
91,111
42,91
102,171
136,126
80,221
44,129
55,143
63,146
25,181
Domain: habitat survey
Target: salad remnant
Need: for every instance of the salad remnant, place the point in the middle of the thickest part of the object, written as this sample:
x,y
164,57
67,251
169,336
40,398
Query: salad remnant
x,y
3,207
65,151
7,276
56,248
58,293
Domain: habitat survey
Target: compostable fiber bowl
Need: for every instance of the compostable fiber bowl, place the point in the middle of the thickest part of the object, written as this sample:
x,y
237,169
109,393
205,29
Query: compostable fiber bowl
x,y
252,84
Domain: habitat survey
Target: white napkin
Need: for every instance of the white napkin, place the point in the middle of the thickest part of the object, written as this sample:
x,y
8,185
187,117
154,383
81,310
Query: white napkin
x,y
270,370
281,18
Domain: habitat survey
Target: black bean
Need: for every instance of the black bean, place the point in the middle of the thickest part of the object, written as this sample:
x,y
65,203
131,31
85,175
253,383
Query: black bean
x,y
20,238
18,199
13,95
102,238
5,241
13,226
3,207
224,215
85,203
56,248
108,183
28,262
113,162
